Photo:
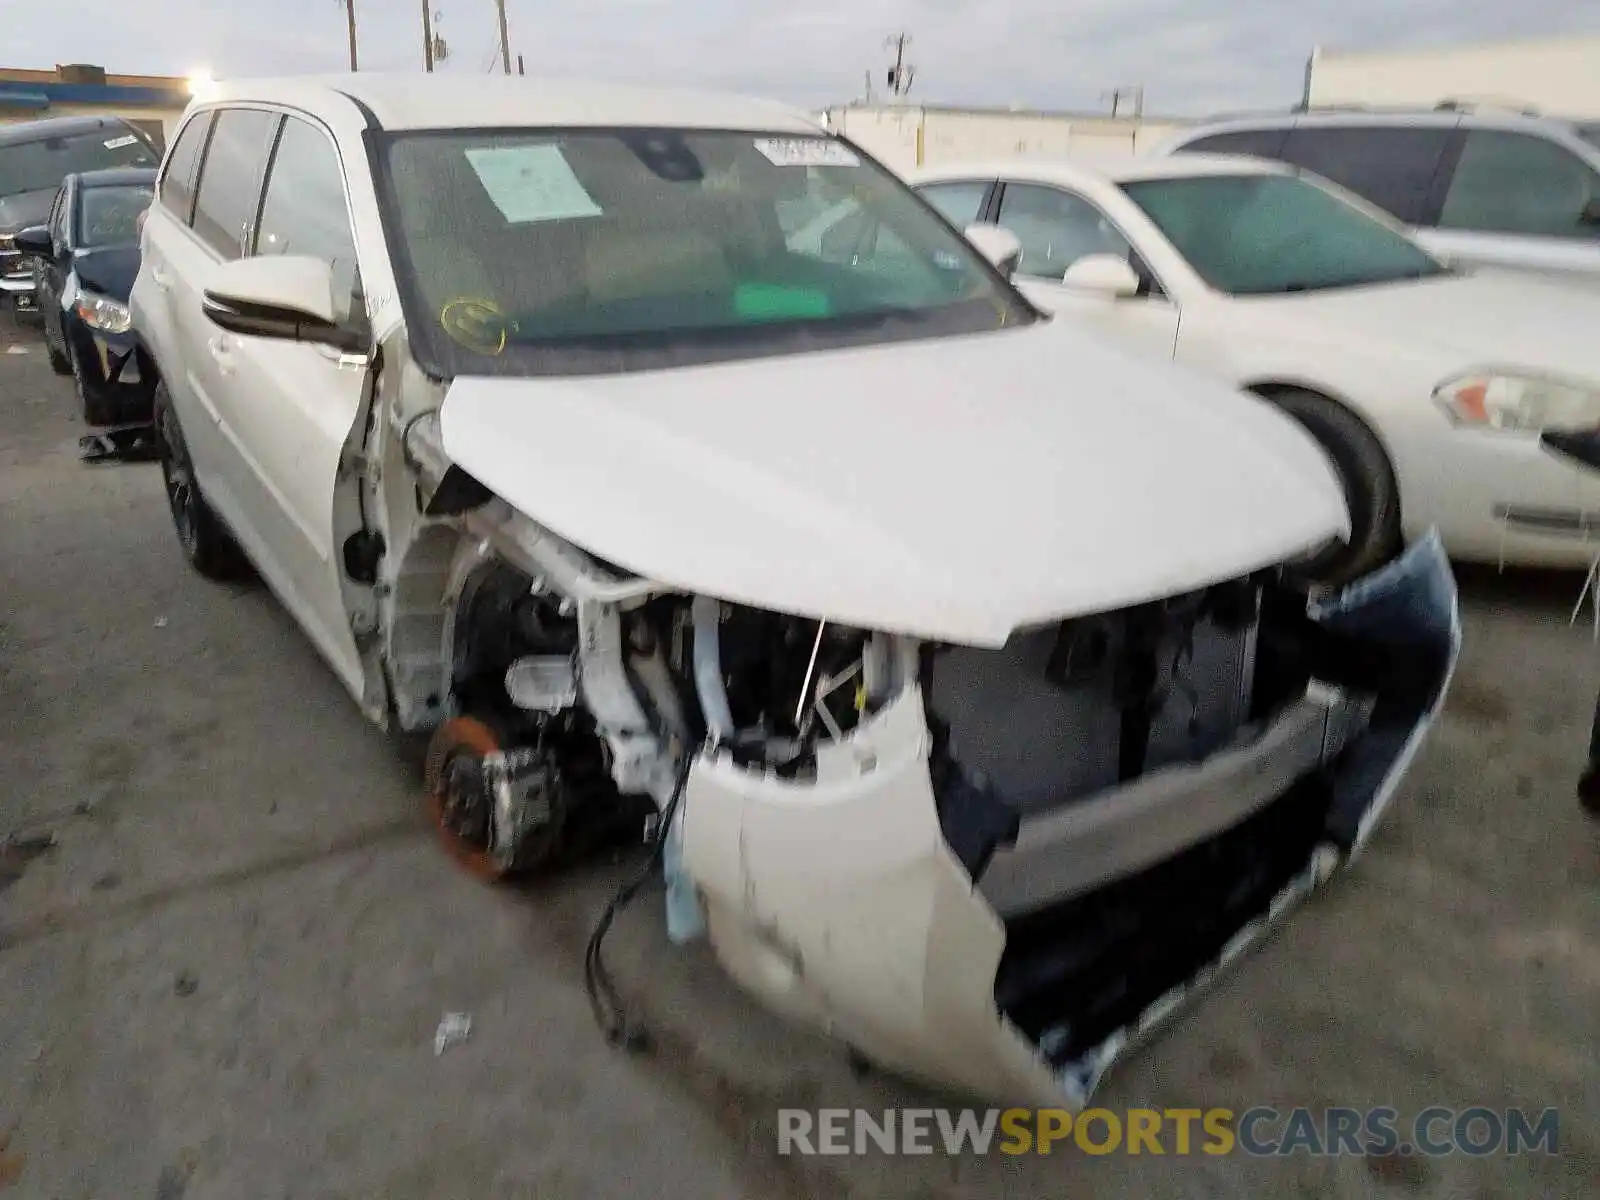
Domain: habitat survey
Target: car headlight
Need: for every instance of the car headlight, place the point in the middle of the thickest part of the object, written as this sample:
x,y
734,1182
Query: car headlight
x,y
100,312
1519,403
8,244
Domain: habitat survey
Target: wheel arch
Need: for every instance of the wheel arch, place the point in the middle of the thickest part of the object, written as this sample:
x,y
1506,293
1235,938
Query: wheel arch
x,y
1271,387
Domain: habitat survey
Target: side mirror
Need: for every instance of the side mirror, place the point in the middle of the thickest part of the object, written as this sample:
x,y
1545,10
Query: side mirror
x,y
35,240
1000,246
288,297
1106,274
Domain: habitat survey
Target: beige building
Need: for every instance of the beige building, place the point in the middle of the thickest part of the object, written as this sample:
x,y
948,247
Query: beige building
x,y
1557,76
906,136
154,102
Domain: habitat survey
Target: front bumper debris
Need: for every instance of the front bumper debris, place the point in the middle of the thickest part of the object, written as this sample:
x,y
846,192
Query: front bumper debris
x,y
119,443
842,904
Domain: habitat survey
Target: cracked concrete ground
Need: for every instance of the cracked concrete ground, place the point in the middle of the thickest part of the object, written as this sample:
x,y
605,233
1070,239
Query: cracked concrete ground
x,y
222,982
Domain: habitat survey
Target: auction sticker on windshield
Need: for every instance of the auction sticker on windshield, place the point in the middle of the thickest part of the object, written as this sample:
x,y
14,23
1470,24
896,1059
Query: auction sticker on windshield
x,y
118,143
531,183
806,152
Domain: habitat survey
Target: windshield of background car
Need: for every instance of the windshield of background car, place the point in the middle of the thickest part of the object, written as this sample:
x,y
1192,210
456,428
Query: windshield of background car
x,y
109,215
580,252
1252,235
42,165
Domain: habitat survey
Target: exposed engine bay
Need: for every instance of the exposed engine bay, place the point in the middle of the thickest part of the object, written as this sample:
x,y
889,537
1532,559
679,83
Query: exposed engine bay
x,y
1118,798
990,862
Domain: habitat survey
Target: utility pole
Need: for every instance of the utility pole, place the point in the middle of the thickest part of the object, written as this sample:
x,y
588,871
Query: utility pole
x,y
350,18
1136,94
521,70
902,73
427,34
505,42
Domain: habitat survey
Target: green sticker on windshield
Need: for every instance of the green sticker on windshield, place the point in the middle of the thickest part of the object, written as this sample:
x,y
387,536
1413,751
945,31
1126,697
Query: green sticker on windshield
x,y
772,302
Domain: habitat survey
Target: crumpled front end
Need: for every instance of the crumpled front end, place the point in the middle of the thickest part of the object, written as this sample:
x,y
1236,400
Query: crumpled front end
x,y
1026,859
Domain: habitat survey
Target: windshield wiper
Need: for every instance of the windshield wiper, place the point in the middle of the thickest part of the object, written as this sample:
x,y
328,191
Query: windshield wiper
x,y
1297,287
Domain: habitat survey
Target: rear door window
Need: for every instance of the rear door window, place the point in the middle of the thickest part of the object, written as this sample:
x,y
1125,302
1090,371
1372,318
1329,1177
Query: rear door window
x,y
1393,167
229,193
1519,183
177,183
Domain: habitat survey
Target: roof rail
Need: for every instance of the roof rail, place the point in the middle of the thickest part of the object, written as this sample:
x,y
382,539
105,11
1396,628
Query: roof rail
x,y
1245,113
1461,104
1482,103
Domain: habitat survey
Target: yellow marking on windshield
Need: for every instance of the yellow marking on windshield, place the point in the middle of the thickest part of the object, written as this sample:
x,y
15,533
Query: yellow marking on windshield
x,y
475,322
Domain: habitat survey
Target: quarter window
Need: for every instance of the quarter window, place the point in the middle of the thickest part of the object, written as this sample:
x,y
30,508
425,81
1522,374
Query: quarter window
x,y
304,210
230,179
1391,167
177,184
1056,229
959,203
1516,183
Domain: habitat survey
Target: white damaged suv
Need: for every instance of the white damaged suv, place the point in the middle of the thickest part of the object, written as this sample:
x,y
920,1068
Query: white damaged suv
x,y
957,657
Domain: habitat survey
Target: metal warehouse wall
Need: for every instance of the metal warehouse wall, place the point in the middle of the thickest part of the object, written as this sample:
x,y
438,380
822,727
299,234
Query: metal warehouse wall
x,y
907,136
1557,76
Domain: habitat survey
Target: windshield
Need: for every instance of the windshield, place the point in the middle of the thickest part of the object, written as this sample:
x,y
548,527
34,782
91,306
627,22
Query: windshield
x,y
1251,235
42,165
109,215
571,252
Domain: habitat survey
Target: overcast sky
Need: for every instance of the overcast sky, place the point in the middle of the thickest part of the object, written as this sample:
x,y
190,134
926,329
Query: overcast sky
x,y
1190,55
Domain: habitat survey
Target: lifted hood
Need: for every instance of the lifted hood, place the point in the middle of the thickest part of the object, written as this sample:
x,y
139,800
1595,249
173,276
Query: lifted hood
x,y
108,270
953,489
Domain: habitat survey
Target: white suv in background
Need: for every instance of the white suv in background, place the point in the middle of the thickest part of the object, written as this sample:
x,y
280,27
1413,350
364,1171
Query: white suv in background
x,y
964,661
1493,188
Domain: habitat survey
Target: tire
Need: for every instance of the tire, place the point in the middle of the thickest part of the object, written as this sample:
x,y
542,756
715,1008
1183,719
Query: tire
x,y
205,541
97,408
1370,490
59,362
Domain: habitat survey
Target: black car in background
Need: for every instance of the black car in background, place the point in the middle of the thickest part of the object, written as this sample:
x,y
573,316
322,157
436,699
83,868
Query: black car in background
x,y
35,156
85,260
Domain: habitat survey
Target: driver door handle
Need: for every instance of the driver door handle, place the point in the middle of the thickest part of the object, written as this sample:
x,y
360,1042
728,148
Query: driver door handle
x,y
160,278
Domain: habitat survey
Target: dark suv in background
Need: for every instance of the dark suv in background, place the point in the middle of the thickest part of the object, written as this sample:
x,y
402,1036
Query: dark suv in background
x,y
1476,185
35,156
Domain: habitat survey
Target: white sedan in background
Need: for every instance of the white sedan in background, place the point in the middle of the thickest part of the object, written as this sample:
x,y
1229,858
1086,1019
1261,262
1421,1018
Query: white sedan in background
x,y
1427,386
